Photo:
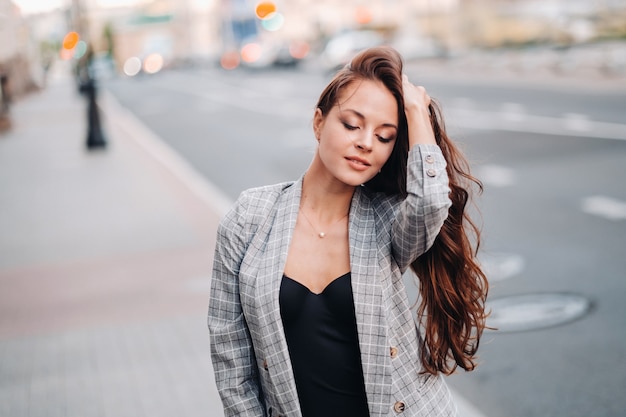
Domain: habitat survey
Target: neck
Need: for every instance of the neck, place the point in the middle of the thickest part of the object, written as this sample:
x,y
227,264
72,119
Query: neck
x,y
326,201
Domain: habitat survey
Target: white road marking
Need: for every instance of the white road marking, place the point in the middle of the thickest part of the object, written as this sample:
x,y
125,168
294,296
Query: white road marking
x,y
577,122
561,126
463,114
502,266
607,207
513,112
495,175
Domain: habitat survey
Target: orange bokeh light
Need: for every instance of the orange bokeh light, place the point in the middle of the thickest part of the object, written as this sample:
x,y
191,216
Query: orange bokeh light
x,y
264,9
70,40
363,15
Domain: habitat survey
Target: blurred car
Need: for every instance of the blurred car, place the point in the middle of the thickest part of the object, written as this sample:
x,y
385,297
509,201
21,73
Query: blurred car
x,y
415,46
341,48
262,53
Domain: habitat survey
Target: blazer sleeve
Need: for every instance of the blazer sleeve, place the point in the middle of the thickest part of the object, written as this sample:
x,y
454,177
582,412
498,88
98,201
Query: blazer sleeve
x,y
422,213
234,363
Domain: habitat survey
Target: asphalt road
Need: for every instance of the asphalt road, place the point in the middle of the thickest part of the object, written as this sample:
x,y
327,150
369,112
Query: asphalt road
x,y
553,161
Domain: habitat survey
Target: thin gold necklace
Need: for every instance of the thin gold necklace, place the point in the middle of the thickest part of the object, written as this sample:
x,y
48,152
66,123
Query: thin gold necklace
x,y
320,234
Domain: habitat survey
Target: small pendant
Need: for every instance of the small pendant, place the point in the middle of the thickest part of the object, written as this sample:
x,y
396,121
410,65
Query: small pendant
x,y
322,234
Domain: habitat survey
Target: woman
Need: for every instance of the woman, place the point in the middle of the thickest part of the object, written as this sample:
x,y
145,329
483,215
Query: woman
x,y
308,313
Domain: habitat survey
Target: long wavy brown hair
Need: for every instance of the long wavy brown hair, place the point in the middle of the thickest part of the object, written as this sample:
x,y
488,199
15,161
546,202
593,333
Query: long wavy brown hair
x,y
453,288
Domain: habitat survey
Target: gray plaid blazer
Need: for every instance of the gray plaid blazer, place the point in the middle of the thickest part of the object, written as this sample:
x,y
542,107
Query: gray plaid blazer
x,y
248,348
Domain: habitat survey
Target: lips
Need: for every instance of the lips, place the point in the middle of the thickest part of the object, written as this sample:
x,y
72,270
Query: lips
x,y
357,160
357,163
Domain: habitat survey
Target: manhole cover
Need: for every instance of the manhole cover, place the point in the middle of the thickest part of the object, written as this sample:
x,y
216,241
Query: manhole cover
x,y
535,311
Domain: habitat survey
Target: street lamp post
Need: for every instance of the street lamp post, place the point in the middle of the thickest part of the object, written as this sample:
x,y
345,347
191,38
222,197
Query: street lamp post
x,y
88,84
95,137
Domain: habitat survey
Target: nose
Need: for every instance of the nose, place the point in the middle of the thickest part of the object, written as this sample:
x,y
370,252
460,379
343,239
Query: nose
x,y
364,141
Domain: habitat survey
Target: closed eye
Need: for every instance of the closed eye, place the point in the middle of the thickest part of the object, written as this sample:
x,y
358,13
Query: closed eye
x,y
385,140
349,127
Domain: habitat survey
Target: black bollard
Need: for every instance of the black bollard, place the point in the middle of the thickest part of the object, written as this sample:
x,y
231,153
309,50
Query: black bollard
x,y
95,137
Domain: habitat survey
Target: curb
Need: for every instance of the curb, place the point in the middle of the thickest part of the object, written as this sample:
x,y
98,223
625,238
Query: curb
x,y
115,113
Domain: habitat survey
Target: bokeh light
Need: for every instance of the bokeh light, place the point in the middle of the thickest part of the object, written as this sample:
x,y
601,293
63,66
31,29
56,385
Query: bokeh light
x,y
251,52
363,15
229,60
132,66
70,40
80,50
264,9
273,22
153,63
66,54
299,50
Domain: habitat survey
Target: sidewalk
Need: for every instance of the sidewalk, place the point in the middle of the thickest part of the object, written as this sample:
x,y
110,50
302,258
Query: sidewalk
x,y
105,261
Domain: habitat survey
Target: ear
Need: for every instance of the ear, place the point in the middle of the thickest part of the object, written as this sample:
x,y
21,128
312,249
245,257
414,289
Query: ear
x,y
318,123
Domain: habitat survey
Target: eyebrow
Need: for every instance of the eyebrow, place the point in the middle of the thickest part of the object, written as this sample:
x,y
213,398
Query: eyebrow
x,y
361,116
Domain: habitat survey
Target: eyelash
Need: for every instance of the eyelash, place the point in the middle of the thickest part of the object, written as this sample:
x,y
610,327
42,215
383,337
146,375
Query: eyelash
x,y
380,138
349,127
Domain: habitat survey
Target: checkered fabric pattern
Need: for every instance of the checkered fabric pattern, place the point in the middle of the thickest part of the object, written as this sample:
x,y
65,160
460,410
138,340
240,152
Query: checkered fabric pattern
x,y
248,347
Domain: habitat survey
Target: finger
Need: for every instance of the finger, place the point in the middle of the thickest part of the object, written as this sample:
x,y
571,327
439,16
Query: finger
x,y
406,84
417,91
424,94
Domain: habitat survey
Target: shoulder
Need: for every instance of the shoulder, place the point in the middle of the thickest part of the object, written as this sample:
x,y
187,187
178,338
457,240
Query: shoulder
x,y
254,205
262,199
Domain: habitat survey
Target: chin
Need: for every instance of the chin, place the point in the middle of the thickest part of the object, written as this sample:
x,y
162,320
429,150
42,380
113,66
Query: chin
x,y
355,180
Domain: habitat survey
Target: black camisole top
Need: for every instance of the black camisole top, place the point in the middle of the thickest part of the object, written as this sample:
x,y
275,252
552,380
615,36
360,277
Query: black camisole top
x,y
324,348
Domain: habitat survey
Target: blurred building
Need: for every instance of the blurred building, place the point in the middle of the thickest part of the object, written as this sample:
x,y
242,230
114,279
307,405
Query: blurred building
x,y
183,29
20,57
176,31
515,23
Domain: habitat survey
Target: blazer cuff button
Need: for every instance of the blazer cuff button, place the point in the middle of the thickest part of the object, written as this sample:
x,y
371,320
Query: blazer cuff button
x,y
398,407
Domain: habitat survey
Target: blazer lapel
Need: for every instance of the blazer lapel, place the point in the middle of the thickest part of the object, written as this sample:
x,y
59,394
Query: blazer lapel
x,y
367,293
369,304
269,279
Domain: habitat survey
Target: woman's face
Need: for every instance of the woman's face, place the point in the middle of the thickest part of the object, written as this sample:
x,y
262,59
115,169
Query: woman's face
x,y
357,136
